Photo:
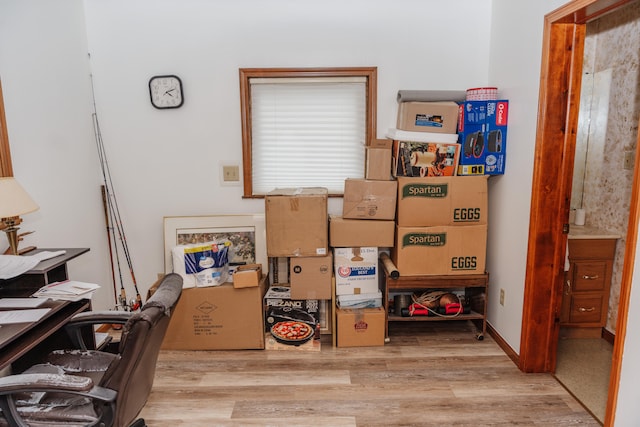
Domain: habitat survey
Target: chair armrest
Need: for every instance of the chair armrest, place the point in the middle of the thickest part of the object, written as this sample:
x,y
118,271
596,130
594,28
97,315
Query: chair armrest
x,y
75,326
47,382
98,317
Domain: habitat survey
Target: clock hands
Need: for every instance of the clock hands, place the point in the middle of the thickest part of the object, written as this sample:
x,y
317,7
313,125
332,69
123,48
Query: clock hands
x,y
168,92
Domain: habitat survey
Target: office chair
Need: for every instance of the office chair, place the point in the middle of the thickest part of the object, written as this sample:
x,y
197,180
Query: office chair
x,y
91,387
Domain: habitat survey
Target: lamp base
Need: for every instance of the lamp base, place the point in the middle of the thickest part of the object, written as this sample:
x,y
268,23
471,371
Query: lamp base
x,y
12,237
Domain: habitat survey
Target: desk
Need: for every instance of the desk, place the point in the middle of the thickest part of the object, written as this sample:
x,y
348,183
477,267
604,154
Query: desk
x,y
17,340
22,343
47,271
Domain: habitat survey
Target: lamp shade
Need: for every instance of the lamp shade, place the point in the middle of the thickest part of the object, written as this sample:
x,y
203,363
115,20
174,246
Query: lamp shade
x,y
14,201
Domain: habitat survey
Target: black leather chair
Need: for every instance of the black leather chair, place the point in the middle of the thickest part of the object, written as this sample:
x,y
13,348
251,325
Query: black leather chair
x,y
87,387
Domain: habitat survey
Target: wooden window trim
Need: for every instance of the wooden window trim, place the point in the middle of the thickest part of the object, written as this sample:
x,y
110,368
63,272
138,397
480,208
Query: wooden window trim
x,y
371,74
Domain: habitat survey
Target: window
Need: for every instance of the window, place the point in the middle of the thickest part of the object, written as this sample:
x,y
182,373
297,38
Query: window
x,y
305,127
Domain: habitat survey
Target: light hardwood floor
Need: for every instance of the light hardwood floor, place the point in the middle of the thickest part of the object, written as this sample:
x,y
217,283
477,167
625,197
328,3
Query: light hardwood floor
x,y
430,374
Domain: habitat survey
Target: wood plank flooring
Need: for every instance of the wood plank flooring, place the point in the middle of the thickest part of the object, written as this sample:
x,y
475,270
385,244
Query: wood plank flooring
x,y
430,374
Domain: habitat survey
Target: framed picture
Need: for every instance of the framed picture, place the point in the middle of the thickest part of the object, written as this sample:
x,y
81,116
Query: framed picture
x,y
245,232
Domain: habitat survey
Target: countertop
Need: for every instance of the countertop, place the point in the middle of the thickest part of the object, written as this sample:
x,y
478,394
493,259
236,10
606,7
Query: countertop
x,y
587,232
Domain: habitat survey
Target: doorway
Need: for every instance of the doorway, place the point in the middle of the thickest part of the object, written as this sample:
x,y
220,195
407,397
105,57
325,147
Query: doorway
x,y
562,64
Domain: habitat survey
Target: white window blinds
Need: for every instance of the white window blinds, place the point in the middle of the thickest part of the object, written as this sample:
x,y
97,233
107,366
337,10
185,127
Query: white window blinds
x,y
307,132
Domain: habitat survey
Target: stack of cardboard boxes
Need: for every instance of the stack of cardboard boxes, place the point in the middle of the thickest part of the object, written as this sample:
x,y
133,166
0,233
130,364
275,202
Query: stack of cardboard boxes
x,y
367,224
297,230
410,203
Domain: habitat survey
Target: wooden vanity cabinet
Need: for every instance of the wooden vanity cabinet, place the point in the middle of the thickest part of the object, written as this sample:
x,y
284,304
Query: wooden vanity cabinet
x,y
585,296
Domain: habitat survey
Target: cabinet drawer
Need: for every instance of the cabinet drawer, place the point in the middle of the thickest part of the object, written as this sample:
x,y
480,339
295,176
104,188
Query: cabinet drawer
x,y
589,276
592,249
586,308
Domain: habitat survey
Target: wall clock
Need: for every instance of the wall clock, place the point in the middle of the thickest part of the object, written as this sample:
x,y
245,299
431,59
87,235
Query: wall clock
x,y
166,91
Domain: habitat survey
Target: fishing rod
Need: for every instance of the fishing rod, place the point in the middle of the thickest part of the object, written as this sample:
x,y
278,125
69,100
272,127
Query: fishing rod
x,y
114,222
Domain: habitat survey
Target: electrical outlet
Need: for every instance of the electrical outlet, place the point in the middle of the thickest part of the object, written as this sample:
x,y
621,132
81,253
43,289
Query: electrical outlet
x,y
230,173
501,296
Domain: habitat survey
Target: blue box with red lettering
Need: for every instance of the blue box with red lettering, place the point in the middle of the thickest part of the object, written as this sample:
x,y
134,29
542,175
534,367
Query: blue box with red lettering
x,y
482,134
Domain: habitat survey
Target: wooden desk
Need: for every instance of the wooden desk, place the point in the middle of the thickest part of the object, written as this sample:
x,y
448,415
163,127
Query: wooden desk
x,y
22,343
19,339
47,271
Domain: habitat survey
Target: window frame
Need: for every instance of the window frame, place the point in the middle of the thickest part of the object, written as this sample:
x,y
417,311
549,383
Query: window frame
x,y
246,74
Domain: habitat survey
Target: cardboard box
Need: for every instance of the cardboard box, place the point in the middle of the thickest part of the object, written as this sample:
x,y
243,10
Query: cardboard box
x,y
452,200
347,233
356,270
424,159
310,277
442,250
378,160
279,306
437,117
360,301
247,276
367,199
362,327
482,134
297,223
218,318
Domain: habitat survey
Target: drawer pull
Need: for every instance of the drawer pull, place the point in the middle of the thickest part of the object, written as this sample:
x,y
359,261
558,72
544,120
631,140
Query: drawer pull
x,y
584,310
594,277
568,291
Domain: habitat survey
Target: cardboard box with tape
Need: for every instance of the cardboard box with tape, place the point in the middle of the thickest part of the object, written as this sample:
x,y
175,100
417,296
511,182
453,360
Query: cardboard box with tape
x,y
369,199
297,222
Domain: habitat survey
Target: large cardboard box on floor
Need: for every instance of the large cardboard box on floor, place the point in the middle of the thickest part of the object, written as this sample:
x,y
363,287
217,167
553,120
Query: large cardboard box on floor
x,y
368,199
218,318
360,327
297,222
437,117
356,270
310,277
422,159
454,200
441,250
378,160
348,233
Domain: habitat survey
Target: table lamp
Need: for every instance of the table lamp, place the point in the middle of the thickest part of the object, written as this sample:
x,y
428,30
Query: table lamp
x,y
14,201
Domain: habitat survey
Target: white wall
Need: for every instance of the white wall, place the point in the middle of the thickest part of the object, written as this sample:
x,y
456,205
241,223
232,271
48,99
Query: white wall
x,y
45,80
515,61
167,163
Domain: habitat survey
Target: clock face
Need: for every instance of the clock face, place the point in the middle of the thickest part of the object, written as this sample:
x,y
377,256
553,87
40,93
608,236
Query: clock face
x,y
166,91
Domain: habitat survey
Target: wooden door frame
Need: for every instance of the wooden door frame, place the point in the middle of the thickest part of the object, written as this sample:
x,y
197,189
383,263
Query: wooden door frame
x,y
6,168
560,80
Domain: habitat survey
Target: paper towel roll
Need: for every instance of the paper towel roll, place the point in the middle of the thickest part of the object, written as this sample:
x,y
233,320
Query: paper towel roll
x,y
580,217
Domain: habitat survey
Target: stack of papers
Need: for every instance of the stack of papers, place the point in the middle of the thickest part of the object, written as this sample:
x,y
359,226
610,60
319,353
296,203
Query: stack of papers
x,y
22,316
22,302
14,265
68,290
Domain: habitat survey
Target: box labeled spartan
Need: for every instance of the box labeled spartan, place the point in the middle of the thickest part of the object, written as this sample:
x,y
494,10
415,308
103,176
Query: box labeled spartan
x,y
425,202
441,250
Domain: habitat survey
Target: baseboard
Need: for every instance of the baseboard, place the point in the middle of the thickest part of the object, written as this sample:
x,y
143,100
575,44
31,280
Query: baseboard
x,y
503,345
608,336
